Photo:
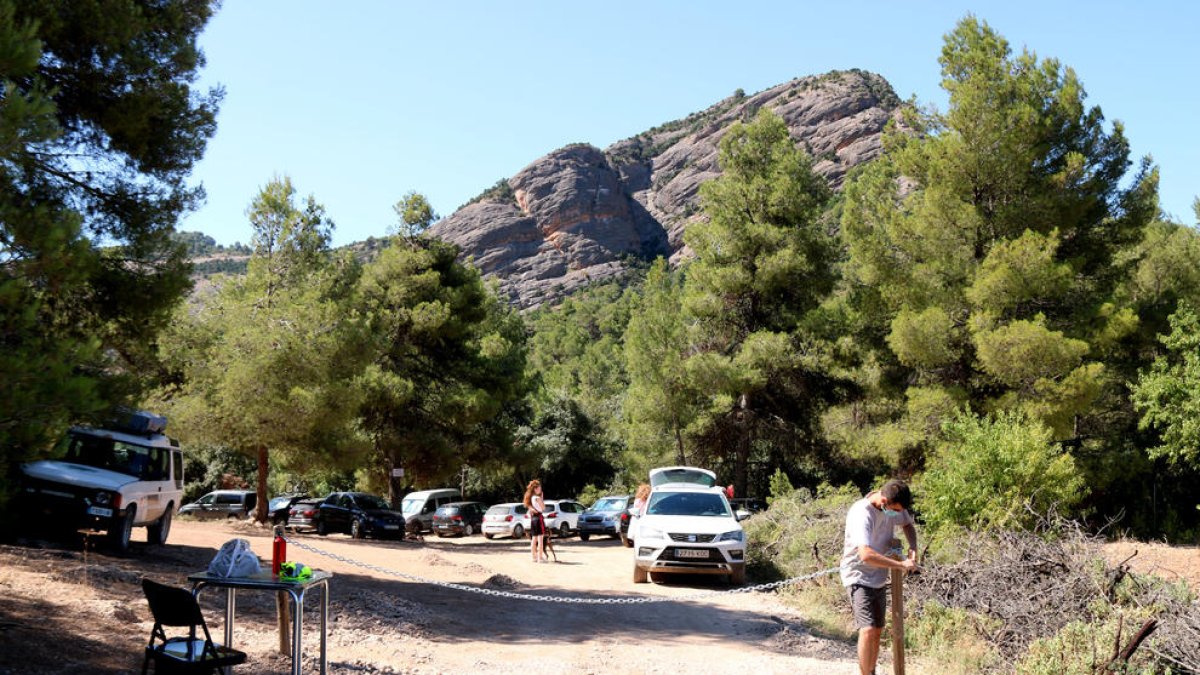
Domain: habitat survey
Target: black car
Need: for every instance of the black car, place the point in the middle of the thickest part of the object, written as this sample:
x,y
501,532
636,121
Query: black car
x,y
623,527
279,508
222,504
603,517
358,514
744,507
461,518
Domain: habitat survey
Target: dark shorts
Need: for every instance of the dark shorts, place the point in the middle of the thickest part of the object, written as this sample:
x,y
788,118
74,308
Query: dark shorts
x,y
869,605
537,526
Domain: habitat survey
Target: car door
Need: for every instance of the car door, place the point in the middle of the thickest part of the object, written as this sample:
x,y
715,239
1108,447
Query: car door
x,y
204,506
333,513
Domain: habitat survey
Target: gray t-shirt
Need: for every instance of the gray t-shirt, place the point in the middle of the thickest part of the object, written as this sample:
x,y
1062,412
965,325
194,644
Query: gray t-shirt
x,y
869,526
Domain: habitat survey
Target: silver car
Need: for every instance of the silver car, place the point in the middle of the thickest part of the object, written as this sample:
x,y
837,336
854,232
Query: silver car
x,y
504,520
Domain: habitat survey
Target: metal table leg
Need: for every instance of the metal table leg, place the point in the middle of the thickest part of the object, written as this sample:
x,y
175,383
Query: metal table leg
x,y
297,617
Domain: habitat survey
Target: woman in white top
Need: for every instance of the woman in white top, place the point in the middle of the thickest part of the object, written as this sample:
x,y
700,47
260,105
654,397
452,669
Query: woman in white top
x,y
537,524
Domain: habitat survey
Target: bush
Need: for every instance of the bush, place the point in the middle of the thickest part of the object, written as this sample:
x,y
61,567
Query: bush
x,y
993,473
799,534
1086,647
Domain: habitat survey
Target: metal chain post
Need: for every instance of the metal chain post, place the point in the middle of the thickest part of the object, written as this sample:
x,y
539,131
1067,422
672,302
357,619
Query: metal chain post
x,y
552,598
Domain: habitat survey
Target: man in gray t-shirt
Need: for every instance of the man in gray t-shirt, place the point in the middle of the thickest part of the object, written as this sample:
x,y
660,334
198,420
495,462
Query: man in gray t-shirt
x,y
871,525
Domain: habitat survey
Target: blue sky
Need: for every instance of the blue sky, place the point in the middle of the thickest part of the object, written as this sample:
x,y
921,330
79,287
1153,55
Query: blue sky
x,y
361,102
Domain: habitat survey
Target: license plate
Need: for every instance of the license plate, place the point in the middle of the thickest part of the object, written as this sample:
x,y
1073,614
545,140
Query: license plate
x,y
391,527
691,553
98,511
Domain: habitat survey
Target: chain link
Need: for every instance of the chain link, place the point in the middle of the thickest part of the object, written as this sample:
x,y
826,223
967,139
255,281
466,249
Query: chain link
x,y
554,598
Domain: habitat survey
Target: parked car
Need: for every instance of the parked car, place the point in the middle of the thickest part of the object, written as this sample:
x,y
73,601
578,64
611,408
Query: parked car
x,y
303,514
684,475
127,474
561,516
279,508
504,520
603,517
222,504
419,507
358,514
460,518
745,507
691,529
623,527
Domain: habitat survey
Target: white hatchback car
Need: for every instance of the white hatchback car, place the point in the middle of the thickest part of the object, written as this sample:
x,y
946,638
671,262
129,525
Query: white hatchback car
x,y
504,520
562,516
689,528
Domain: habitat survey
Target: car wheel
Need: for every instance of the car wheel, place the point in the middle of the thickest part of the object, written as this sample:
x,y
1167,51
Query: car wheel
x,y
626,541
322,528
357,530
468,530
738,576
119,534
640,576
488,536
157,533
518,532
564,530
584,537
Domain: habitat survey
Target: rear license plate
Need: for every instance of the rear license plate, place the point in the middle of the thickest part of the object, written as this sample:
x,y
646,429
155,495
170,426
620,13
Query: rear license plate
x,y
391,527
98,511
691,553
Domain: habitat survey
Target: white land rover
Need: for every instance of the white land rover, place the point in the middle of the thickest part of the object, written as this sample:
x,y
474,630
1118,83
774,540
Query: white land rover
x,y
113,479
689,528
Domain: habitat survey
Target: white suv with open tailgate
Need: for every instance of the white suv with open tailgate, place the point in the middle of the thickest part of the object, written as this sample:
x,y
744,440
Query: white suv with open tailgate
x,y
689,527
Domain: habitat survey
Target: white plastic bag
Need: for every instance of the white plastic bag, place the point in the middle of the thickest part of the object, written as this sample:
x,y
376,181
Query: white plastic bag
x,y
235,559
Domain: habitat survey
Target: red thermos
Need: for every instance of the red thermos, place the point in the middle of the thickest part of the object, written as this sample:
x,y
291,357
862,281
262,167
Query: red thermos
x,y
278,552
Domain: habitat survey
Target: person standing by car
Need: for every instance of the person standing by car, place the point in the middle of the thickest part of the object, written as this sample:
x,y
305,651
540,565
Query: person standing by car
x,y
871,524
640,498
537,524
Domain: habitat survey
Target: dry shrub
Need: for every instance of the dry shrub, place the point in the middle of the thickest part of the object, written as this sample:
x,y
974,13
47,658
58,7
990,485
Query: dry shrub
x,y
1047,602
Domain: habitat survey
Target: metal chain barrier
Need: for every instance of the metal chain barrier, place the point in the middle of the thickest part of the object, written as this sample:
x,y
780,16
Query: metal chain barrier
x,y
554,598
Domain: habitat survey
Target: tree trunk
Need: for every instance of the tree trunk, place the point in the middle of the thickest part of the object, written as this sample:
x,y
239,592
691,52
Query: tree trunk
x,y
679,455
395,483
264,468
741,457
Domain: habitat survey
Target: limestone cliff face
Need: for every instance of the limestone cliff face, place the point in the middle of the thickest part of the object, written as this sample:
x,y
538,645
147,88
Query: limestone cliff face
x,y
576,215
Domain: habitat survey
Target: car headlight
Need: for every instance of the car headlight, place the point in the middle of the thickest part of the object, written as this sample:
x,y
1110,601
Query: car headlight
x,y
650,533
736,535
103,498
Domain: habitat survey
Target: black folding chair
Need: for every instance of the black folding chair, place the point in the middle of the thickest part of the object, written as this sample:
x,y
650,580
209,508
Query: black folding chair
x,y
177,607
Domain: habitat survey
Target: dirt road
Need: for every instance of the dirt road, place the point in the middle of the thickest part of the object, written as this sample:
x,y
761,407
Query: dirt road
x,y
81,610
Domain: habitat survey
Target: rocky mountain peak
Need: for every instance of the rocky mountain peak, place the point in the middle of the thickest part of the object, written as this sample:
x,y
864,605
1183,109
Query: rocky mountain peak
x,y
576,215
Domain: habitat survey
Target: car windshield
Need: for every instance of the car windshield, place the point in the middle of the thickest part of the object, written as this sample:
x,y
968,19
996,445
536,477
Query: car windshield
x,y
411,506
609,504
447,511
279,503
144,462
687,504
370,502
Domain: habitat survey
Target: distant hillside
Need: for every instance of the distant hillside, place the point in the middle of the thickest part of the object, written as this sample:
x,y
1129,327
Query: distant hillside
x,y
581,214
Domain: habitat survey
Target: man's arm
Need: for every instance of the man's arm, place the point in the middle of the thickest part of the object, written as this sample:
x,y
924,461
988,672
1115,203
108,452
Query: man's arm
x,y
875,559
910,533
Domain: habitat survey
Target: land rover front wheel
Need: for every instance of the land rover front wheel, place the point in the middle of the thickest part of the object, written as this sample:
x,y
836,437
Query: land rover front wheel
x,y
157,533
118,534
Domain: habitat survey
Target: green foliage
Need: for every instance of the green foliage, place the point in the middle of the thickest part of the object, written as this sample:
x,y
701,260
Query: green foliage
x,y
269,365
99,127
570,448
215,467
443,383
764,263
501,193
781,486
996,472
414,214
660,403
952,638
1168,394
988,250
800,533
1084,647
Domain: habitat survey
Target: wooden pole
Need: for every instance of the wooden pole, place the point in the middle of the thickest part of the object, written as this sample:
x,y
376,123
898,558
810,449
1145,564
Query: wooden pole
x,y
897,612
281,608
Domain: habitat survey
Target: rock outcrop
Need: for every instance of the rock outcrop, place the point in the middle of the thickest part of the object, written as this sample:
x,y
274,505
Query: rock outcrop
x,y
579,214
